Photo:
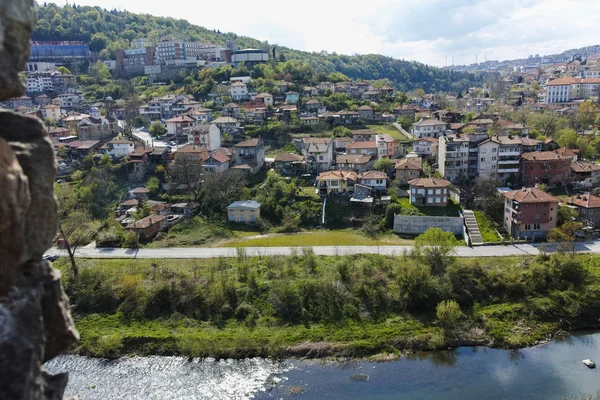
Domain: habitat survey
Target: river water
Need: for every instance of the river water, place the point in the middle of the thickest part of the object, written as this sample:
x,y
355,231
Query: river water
x,y
551,371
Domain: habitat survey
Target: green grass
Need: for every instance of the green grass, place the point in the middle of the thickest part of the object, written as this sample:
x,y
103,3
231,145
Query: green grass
x,y
196,232
388,130
308,192
451,210
319,238
488,233
351,306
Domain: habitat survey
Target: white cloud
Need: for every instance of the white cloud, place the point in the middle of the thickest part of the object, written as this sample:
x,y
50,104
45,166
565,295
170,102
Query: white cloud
x,y
422,30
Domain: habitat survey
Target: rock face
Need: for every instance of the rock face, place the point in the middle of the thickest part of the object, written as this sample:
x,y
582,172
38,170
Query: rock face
x,y
35,322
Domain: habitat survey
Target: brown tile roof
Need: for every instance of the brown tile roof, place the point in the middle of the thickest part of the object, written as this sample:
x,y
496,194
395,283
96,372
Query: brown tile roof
x,y
314,140
509,139
343,175
428,139
429,183
147,222
365,108
586,200
225,151
190,148
141,190
220,157
429,122
530,142
583,166
130,203
410,163
181,118
373,175
563,151
248,143
531,195
231,105
353,159
370,144
542,156
289,157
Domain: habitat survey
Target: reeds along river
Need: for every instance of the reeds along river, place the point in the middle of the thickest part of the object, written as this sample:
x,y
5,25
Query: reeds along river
x,y
551,371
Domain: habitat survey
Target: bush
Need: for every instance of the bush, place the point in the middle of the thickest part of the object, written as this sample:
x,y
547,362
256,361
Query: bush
x,y
130,239
448,314
110,237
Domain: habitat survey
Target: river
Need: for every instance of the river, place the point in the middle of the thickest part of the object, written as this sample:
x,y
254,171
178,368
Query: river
x,y
550,371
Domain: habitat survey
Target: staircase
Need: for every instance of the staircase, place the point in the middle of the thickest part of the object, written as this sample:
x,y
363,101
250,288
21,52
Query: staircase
x,y
472,227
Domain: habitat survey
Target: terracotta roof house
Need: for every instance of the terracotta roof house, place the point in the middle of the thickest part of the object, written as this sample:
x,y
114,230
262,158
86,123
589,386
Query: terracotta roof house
x,y
250,152
150,225
408,168
545,167
336,181
216,163
375,179
365,112
572,153
587,205
530,213
585,173
428,192
354,162
290,164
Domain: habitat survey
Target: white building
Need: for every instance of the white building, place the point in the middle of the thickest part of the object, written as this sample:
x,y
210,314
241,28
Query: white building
x,y
428,128
239,91
318,153
39,82
70,100
566,89
453,156
206,135
426,147
120,148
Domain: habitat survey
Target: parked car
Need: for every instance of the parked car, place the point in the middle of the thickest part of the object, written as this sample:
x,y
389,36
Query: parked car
x,y
50,257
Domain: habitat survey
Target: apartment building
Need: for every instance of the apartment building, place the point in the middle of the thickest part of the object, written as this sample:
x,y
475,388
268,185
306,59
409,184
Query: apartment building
x,y
545,167
428,128
453,156
529,213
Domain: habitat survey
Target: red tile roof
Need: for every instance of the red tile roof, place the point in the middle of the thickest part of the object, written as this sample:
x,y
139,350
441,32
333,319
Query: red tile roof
x,y
531,195
429,183
586,200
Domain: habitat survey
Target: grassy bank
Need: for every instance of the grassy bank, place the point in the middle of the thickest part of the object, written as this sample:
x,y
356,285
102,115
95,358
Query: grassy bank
x,y
320,238
486,227
306,305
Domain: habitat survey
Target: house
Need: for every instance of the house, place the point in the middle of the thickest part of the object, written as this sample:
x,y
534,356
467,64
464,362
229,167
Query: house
x,y
587,205
368,148
239,91
185,209
149,226
206,135
130,205
227,124
365,112
550,145
309,120
312,105
159,207
585,173
337,181
363,135
58,132
426,147
428,128
292,97
408,168
318,153
201,115
138,163
51,112
340,143
290,164
573,154
264,98
192,153
453,156
217,163
406,111
348,117
139,193
119,148
529,213
387,147
83,148
531,144
180,125
160,156
430,192
545,167
231,110
97,127
374,179
250,153
354,162
247,211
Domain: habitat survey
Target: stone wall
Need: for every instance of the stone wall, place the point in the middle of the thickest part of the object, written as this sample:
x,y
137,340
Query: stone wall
x,y
35,323
415,225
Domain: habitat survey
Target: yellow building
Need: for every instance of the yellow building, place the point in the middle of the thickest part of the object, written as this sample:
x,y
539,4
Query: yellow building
x,y
247,211
336,181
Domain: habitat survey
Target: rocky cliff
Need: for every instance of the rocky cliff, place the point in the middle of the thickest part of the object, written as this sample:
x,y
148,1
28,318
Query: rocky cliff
x,y
35,324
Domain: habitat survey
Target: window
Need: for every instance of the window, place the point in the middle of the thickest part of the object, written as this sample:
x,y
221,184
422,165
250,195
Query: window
x,y
527,227
482,159
536,226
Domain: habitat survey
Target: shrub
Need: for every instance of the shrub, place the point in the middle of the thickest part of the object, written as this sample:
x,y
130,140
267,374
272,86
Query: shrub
x,y
448,314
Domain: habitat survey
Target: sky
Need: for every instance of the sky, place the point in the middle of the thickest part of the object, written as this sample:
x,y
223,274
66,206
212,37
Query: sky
x,y
429,31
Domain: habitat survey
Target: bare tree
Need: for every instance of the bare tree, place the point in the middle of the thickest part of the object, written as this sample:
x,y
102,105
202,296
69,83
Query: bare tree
x,y
187,173
565,236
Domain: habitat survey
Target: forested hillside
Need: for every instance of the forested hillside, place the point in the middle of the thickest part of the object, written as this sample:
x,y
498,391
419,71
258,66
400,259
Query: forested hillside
x,y
106,31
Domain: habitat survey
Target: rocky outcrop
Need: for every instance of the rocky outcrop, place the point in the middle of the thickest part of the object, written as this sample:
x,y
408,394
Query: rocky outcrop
x,y
35,323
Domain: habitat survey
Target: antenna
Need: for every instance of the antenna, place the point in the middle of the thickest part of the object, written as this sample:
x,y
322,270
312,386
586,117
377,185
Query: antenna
x,y
446,62
476,61
453,61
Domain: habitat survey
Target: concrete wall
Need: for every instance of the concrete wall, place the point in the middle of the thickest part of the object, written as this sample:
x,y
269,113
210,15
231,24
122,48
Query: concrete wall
x,y
416,225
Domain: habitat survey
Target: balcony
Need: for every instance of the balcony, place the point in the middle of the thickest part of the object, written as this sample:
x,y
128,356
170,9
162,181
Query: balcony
x,y
500,162
509,153
508,170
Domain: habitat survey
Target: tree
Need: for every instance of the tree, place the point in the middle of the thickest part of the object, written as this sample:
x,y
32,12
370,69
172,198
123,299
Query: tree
x,y
486,196
586,115
436,248
186,173
565,237
157,128
341,131
405,122
383,164
98,42
100,71
448,314
75,224
63,70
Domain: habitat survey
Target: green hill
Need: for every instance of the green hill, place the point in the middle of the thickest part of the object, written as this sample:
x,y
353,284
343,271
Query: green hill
x,y
106,31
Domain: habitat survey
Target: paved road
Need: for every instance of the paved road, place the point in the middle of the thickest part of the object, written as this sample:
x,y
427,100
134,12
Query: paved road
x,y
147,139
215,252
404,132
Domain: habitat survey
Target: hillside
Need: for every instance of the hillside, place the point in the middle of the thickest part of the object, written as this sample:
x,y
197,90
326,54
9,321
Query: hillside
x,y
107,31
